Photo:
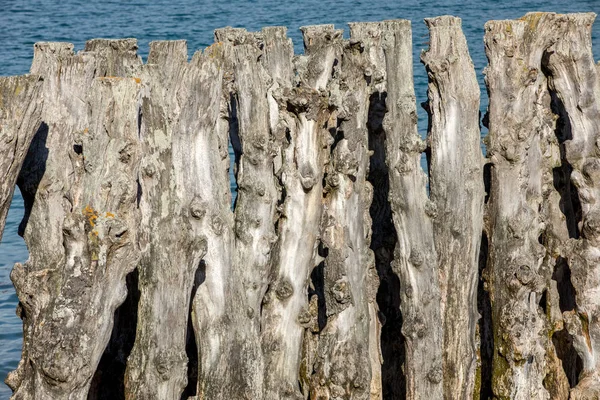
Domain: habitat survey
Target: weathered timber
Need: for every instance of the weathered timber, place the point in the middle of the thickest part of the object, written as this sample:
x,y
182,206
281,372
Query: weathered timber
x,y
338,255
575,80
302,122
79,181
344,369
239,364
20,113
415,259
179,203
523,150
456,191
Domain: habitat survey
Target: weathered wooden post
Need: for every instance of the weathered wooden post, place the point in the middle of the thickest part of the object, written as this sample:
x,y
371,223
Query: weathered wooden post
x,y
80,182
457,194
415,259
575,79
303,117
346,365
20,111
180,197
523,150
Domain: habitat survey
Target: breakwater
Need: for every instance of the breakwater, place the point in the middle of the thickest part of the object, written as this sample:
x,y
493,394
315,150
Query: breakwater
x,y
126,186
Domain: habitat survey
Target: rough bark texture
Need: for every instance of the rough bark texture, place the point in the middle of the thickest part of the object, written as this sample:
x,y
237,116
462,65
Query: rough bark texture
x,y
20,112
79,182
339,273
456,190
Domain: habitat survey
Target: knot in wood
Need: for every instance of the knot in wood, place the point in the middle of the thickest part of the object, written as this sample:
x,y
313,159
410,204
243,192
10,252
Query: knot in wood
x,y
305,317
435,375
149,170
341,291
531,76
260,142
260,189
591,170
591,226
284,290
165,361
525,275
117,228
217,224
333,180
125,153
416,258
307,179
415,328
197,208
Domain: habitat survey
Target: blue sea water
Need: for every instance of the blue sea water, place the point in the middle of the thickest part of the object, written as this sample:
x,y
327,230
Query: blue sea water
x,y
22,23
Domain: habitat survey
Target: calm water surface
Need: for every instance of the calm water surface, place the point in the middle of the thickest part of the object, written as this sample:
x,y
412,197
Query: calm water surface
x,y
22,23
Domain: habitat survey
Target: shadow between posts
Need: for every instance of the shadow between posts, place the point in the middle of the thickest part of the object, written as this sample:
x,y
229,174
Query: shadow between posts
x,y
383,242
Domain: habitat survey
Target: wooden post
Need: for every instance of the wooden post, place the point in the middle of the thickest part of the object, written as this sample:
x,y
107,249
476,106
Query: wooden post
x,y
20,112
80,182
456,191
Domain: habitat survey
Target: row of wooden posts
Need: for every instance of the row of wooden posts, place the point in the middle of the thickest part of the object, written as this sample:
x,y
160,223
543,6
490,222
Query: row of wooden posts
x,y
343,271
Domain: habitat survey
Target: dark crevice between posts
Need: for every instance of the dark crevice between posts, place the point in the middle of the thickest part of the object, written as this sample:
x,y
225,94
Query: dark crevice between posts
x,y
426,154
570,206
487,181
484,325
317,287
32,172
566,290
383,242
191,347
570,360
108,382
236,144
562,340
138,193
569,197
